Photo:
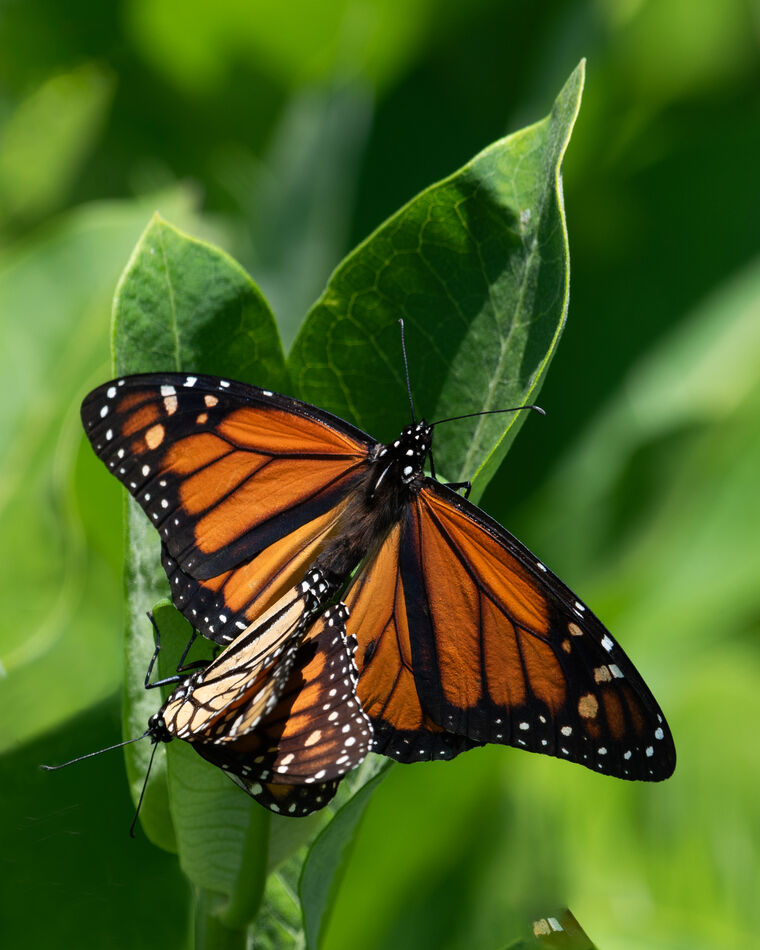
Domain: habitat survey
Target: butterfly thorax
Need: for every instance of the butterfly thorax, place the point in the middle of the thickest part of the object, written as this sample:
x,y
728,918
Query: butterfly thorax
x,y
393,478
402,461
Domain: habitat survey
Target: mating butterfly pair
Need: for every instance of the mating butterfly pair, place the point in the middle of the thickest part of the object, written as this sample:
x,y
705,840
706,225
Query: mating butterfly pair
x,y
463,636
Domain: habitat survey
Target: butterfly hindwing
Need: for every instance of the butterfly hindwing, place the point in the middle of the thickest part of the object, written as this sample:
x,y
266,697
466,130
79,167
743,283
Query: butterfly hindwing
x,y
388,688
289,748
503,652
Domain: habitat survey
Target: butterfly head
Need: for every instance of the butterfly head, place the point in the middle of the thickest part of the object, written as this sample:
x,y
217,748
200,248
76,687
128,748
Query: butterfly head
x,y
411,449
157,728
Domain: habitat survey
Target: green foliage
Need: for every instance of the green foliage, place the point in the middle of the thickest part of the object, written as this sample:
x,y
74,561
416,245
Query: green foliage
x,y
184,305
556,933
327,859
180,304
60,121
638,487
59,522
477,267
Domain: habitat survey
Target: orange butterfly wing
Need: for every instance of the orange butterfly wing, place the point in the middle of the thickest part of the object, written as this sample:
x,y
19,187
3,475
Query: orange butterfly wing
x,y
277,710
503,652
244,485
221,607
387,687
231,695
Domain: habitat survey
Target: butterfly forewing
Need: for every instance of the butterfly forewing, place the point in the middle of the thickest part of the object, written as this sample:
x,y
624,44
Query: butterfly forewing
x,y
222,469
229,698
318,729
220,607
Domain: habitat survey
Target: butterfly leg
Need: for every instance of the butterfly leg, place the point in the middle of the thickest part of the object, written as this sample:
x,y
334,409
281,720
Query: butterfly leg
x,y
454,486
181,667
457,486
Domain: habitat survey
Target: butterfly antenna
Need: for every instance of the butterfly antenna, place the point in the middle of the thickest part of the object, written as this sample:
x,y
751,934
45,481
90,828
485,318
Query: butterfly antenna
x,y
89,755
142,793
406,370
488,412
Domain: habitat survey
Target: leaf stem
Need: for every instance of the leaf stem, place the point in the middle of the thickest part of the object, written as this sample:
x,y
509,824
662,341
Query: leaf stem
x,y
211,932
245,898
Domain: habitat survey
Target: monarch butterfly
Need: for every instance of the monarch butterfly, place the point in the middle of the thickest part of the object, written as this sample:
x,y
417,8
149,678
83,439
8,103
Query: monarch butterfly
x,y
276,709
464,637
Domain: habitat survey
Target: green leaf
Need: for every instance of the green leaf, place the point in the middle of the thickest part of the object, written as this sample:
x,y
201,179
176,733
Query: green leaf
x,y
328,856
279,926
184,304
477,265
180,305
59,512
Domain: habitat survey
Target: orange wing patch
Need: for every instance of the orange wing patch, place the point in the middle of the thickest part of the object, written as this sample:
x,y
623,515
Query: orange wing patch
x,y
220,607
487,623
275,432
276,487
501,577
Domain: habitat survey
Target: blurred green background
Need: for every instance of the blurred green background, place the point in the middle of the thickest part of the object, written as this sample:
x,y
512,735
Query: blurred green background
x,y
286,133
